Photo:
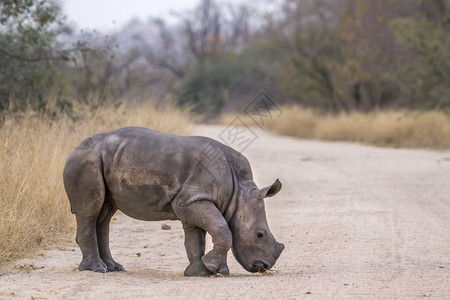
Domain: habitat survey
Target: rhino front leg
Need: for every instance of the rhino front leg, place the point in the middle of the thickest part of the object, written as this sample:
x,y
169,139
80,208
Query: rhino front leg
x,y
194,243
204,214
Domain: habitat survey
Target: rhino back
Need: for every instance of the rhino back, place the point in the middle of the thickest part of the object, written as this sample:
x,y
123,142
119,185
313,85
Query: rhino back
x,y
144,170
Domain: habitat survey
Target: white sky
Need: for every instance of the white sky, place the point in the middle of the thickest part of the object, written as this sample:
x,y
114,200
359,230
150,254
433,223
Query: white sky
x,y
107,15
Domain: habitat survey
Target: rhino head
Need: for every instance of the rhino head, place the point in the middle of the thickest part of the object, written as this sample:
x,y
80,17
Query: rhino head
x,y
254,246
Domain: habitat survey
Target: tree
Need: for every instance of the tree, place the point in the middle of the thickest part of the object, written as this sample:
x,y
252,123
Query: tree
x,y
427,77
208,85
315,53
210,30
29,50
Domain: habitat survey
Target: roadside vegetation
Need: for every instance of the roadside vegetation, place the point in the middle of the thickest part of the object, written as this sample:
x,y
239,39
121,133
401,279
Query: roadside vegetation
x,y
403,129
34,209
393,128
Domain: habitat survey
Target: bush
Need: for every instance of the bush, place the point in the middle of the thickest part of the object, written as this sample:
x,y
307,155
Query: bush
x,y
208,85
428,76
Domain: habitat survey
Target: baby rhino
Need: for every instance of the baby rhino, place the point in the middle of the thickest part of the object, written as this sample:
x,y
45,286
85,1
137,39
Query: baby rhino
x,y
150,175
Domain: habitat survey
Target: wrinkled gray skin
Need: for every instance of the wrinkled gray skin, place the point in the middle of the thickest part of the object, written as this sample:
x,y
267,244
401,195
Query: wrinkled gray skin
x,y
150,175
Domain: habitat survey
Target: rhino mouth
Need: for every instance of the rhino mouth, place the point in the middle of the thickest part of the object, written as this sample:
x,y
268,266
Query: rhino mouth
x,y
261,266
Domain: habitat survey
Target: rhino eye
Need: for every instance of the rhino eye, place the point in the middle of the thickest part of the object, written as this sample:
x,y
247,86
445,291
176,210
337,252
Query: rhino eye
x,y
260,234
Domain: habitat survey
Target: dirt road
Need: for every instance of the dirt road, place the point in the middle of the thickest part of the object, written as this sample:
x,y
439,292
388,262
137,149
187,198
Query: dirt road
x,y
357,221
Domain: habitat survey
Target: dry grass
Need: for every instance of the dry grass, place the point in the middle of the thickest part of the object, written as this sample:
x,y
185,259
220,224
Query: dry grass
x,y
405,129
34,209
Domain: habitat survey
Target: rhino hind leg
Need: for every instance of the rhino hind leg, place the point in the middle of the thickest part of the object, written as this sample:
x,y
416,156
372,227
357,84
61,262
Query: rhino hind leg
x,y
84,184
195,248
86,238
102,227
204,214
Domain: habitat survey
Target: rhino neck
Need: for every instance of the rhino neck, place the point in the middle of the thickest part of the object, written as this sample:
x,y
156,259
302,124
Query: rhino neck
x,y
232,206
240,172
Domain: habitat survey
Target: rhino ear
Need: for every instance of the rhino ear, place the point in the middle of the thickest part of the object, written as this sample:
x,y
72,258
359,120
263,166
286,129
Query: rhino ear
x,y
269,191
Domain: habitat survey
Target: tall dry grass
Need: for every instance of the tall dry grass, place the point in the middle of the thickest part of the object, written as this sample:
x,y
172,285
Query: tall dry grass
x,y
404,129
34,209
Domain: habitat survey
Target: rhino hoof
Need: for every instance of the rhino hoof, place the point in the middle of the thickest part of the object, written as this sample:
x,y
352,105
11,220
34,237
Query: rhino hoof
x,y
215,264
197,269
100,270
224,270
118,267
114,266
98,267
